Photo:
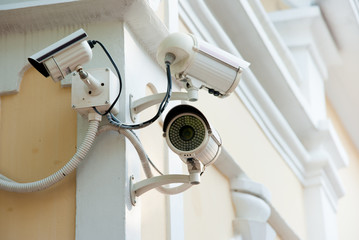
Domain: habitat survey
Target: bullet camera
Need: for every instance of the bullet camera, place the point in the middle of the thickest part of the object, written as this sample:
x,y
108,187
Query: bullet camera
x,y
61,58
93,90
189,134
201,65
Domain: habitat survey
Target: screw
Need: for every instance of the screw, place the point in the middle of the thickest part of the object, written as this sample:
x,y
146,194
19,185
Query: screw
x,y
106,102
73,106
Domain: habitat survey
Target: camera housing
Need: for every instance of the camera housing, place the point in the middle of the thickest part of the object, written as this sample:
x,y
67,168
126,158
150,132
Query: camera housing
x,y
201,64
61,58
189,134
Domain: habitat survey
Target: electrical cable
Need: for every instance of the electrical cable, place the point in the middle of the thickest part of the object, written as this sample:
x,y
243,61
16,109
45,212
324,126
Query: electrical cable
x,y
148,158
115,121
112,119
92,44
144,161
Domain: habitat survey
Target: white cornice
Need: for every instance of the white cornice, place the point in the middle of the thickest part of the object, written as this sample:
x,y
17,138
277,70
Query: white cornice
x,y
28,16
26,27
307,24
266,89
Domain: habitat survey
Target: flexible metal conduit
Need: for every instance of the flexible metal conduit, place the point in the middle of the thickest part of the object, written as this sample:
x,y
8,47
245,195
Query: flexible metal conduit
x,y
143,157
12,186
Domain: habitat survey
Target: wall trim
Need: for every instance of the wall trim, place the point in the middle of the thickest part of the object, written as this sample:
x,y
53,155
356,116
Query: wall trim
x,y
277,122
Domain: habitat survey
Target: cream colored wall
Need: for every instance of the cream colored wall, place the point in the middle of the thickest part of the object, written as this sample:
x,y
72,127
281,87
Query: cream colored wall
x,y
38,136
153,203
348,210
244,139
208,208
274,5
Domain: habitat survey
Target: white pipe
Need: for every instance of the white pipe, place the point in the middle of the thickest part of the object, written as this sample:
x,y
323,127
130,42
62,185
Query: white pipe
x,y
143,157
240,182
250,207
12,186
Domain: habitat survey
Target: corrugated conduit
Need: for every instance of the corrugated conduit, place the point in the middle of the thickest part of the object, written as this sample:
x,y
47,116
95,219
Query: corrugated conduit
x,y
12,186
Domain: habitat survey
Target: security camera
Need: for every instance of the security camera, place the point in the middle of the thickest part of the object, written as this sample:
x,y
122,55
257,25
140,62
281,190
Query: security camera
x,y
61,58
189,134
201,65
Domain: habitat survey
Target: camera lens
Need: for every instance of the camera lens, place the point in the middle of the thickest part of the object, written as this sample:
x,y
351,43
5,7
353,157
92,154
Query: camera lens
x,y
187,132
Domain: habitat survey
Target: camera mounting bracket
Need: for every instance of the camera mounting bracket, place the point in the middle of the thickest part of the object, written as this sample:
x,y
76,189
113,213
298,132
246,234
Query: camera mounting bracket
x,y
141,187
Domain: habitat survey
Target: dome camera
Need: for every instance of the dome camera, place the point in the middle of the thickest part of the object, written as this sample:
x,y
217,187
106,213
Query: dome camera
x,y
189,134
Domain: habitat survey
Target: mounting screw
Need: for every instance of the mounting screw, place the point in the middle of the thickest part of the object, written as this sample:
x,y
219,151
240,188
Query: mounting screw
x,y
132,193
73,106
106,102
107,70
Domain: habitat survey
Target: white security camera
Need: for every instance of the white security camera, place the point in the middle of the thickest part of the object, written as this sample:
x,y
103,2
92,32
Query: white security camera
x,y
208,66
62,57
189,134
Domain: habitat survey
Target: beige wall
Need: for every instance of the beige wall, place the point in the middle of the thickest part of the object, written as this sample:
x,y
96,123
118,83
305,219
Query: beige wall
x,y
153,203
208,208
274,5
38,136
244,139
348,210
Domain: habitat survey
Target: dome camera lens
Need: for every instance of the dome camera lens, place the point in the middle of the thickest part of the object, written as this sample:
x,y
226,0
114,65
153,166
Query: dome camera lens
x,y
186,133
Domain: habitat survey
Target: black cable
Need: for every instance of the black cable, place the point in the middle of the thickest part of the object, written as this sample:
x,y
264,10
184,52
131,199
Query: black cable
x,y
115,121
161,108
92,43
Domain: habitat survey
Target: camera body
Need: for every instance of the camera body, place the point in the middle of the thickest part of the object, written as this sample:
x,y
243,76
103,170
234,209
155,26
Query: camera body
x,y
201,63
189,134
61,58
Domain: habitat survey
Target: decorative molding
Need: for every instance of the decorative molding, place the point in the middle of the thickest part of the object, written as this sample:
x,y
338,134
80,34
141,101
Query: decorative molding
x,y
306,25
276,105
310,147
27,27
299,3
